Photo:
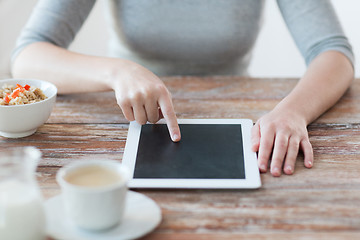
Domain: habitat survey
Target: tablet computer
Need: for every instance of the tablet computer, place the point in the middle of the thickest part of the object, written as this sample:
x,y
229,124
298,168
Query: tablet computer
x,y
212,153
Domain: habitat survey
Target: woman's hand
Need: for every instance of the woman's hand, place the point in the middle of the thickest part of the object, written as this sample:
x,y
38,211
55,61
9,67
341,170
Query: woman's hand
x,y
143,97
279,135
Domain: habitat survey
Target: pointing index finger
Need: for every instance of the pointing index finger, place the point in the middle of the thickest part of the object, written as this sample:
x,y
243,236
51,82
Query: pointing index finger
x,y
168,112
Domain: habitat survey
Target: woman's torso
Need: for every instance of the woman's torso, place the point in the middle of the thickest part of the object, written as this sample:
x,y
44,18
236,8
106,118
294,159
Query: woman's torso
x,y
185,36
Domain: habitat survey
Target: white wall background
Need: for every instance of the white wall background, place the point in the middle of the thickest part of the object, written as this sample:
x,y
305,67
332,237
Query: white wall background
x,y
275,54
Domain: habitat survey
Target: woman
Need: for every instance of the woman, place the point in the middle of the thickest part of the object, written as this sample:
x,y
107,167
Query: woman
x,y
170,37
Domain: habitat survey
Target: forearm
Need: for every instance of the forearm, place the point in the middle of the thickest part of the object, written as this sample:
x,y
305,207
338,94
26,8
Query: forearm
x,y
70,72
327,78
141,95
282,133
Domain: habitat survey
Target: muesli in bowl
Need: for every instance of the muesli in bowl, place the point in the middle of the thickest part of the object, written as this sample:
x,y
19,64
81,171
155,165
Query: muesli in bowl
x,y
19,95
25,105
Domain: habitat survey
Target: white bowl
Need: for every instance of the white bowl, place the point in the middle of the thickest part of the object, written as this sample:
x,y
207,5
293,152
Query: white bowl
x,y
23,120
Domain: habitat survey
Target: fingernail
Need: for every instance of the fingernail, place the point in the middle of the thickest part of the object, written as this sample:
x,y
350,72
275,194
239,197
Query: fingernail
x,y
254,148
263,167
289,169
276,171
175,137
310,163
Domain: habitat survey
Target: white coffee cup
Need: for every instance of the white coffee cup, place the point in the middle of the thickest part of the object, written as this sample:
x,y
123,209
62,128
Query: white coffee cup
x,y
94,193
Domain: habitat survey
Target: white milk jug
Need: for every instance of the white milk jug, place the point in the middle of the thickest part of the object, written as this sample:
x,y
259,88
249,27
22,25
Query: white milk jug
x,y
21,206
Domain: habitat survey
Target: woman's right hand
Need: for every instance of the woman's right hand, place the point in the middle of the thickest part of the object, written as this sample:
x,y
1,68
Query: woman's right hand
x,y
143,97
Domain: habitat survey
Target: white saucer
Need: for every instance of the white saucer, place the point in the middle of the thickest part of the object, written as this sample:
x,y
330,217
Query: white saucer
x,y
141,216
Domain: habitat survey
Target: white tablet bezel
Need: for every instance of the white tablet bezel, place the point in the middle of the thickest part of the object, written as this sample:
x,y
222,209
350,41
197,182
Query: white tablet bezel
x,y
252,175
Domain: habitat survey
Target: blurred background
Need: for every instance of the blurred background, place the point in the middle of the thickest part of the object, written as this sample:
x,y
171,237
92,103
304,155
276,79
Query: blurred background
x,y
274,55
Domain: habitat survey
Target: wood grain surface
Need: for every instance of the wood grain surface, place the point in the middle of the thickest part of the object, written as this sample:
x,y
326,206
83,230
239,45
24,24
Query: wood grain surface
x,y
318,203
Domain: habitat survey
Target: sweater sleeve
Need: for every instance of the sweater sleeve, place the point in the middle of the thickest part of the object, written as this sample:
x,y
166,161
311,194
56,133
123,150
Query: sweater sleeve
x,y
53,21
315,28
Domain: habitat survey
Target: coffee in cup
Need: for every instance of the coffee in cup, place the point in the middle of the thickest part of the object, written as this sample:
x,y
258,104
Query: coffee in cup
x,y
94,193
93,176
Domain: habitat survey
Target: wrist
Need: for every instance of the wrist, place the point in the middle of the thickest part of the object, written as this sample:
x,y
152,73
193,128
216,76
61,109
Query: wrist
x,y
117,70
292,111
113,71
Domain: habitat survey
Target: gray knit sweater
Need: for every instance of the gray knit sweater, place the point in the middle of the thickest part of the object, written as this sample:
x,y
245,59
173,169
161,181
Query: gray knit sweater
x,y
172,37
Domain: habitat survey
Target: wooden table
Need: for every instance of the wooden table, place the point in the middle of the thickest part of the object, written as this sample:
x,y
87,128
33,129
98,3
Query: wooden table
x,y
321,203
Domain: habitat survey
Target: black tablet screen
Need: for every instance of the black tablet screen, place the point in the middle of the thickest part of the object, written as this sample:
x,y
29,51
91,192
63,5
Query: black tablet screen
x,y
205,151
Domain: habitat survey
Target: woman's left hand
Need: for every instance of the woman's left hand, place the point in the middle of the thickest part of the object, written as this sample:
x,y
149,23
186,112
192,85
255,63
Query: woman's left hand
x,y
278,136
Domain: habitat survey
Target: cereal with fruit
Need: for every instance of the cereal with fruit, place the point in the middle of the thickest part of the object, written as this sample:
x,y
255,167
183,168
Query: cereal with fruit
x,y
20,95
